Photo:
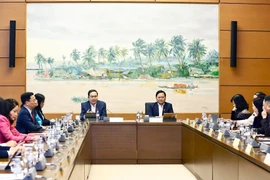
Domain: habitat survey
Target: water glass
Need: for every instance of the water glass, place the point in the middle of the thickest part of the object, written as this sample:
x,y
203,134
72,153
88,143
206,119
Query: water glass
x,y
254,132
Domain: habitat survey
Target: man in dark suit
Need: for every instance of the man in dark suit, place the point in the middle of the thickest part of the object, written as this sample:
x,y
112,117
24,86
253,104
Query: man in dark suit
x,y
160,107
93,105
26,121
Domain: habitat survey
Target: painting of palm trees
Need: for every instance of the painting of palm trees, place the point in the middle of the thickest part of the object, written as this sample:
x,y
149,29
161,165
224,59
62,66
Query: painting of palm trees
x,y
147,46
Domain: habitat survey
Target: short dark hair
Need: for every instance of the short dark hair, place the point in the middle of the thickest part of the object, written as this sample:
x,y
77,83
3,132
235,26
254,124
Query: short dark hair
x,y
267,99
260,94
240,102
160,91
40,98
6,106
1,99
26,97
92,90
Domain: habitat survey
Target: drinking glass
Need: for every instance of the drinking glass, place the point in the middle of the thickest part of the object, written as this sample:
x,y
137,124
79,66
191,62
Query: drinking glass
x,y
254,132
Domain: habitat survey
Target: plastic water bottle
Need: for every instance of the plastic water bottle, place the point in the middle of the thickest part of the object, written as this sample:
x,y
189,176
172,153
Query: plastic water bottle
x,y
97,115
138,116
241,129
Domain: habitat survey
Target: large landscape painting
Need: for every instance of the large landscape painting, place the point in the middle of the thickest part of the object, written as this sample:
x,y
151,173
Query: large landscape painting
x,y
126,52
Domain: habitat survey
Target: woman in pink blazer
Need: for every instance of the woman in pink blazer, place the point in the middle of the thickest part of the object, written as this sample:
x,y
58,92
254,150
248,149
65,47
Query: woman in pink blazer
x,y
8,114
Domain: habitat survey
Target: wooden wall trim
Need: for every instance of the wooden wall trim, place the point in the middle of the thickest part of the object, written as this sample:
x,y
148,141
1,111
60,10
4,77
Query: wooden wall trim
x,y
128,1
250,44
12,11
245,1
249,17
244,73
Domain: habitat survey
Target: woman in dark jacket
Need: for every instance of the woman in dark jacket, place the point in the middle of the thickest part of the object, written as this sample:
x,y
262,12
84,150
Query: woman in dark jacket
x,y
39,114
240,108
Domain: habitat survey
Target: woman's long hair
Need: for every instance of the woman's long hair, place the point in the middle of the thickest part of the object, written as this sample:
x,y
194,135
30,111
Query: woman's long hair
x,y
258,103
6,106
239,102
40,98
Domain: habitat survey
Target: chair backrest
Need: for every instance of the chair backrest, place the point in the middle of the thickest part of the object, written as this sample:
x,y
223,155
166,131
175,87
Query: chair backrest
x,y
146,107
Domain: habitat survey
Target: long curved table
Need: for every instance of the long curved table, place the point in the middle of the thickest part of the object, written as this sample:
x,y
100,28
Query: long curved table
x,y
154,143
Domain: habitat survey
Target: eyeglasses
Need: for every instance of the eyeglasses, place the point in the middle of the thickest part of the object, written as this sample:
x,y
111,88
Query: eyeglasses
x,y
93,96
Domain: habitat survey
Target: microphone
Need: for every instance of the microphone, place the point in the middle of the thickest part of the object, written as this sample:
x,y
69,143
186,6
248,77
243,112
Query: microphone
x,y
109,111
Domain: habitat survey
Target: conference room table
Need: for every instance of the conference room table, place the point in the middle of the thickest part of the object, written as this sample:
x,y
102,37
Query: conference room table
x,y
131,142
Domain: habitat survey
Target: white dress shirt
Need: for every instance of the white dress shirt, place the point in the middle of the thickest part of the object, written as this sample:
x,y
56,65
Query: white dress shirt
x,y
160,109
93,107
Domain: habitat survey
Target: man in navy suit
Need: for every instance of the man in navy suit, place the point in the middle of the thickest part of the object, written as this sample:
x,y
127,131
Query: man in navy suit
x,y
160,107
26,121
93,105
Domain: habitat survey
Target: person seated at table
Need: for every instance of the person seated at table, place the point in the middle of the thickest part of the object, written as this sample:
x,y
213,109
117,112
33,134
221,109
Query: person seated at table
x,y
161,106
93,105
240,108
39,114
26,122
259,94
255,119
265,129
8,115
6,151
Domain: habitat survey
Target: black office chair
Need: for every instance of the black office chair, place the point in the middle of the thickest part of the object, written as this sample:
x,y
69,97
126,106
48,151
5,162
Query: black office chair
x,y
146,106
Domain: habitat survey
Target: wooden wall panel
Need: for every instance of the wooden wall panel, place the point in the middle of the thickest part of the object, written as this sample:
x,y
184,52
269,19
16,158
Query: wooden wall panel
x,y
248,17
12,1
12,11
247,72
12,80
225,116
246,1
227,92
55,1
20,43
12,92
249,45
13,76
123,1
190,1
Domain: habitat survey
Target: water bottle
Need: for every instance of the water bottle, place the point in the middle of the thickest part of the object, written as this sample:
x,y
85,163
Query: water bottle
x,y
16,167
241,129
97,115
138,116
40,145
30,157
247,132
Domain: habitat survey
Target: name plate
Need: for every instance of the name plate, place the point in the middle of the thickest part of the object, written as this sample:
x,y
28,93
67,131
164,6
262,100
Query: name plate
x,y
236,143
155,119
187,121
59,173
220,136
267,159
73,150
116,119
200,128
193,124
249,149
211,132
